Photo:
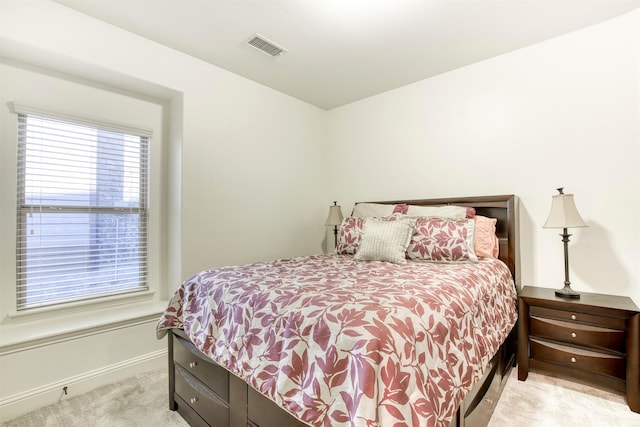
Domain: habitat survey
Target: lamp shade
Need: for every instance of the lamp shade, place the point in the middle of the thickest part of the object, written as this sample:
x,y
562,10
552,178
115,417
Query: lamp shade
x,y
564,213
335,215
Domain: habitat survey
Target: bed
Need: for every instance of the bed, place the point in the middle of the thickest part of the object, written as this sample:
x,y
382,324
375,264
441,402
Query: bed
x,y
332,340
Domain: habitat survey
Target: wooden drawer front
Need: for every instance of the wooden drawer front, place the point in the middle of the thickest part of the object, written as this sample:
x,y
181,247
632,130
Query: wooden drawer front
x,y
261,412
191,359
577,334
573,316
589,361
213,410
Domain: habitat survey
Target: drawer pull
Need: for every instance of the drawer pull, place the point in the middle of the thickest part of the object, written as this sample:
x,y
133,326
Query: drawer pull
x,y
193,400
573,335
573,360
573,317
193,364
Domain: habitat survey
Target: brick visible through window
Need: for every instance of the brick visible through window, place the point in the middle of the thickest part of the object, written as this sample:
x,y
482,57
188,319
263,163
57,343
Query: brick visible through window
x,y
82,211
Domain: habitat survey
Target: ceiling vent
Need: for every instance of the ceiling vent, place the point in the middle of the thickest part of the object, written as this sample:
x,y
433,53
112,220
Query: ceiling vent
x,y
266,46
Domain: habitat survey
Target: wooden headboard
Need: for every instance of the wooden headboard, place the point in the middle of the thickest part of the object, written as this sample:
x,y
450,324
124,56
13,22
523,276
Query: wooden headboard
x,y
503,208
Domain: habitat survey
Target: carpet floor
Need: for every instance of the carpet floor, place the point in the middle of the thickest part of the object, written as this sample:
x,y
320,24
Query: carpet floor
x,y
142,401
546,401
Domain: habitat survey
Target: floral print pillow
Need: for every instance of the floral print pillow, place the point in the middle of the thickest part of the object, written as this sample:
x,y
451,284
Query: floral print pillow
x,y
442,240
350,235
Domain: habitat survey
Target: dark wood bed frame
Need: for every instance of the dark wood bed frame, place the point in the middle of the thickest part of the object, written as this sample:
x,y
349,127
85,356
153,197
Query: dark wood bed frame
x,y
243,406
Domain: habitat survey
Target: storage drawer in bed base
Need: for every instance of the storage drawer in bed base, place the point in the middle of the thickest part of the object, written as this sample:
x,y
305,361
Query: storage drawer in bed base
x,y
199,366
187,412
199,397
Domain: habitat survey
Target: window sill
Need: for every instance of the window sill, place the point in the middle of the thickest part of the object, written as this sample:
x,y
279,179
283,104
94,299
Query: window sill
x,y
90,304
39,327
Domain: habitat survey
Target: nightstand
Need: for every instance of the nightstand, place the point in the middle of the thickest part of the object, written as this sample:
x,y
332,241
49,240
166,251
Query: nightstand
x,y
595,339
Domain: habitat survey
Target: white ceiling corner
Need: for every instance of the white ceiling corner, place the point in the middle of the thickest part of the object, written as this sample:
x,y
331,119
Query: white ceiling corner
x,y
340,51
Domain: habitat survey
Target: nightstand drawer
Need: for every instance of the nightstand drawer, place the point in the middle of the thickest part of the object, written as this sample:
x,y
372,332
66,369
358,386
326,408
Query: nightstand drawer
x,y
193,361
594,338
576,358
574,316
578,334
213,410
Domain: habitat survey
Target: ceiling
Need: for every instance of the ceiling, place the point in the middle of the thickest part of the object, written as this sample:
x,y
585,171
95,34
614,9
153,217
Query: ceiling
x,y
340,51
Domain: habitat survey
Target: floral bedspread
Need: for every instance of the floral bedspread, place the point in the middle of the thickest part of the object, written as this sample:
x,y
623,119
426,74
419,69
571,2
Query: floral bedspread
x,y
338,342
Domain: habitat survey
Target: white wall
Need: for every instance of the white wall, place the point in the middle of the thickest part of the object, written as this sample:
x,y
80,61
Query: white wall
x,y
244,183
565,112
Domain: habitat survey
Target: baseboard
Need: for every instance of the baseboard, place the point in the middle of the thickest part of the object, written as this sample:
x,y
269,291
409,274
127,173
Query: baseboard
x,y
19,404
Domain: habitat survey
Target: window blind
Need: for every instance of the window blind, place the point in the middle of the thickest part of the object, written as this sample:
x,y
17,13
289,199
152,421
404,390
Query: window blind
x,y
82,211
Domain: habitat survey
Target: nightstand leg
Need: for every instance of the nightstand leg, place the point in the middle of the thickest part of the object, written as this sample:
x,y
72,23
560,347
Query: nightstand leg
x,y
633,363
523,339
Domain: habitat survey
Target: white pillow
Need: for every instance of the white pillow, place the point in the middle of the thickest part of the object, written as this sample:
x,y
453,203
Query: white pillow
x,y
363,210
453,212
384,241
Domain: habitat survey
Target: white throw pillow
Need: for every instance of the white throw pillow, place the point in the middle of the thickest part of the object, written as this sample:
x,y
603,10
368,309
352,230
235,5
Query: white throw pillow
x,y
384,241
364,210
455,212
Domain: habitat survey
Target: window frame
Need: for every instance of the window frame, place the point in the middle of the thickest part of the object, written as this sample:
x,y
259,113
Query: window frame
x,y
142,211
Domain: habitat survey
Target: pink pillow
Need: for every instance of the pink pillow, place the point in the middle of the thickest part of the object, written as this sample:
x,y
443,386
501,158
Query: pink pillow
x,y
442,240
487,244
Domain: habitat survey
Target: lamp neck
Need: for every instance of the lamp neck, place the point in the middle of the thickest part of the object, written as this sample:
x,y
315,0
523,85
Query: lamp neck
x,y
565,239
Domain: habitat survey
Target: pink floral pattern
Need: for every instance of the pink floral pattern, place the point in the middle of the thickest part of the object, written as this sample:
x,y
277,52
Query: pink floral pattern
x,y
442,240
338,342
350,235
400,209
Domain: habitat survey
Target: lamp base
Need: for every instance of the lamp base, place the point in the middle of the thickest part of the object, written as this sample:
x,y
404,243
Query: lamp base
x,y
567,292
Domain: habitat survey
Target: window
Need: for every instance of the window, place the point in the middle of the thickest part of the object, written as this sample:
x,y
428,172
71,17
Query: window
x,y
82,210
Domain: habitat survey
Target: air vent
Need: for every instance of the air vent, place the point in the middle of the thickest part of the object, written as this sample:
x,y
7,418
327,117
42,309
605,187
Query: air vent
x,y
266,46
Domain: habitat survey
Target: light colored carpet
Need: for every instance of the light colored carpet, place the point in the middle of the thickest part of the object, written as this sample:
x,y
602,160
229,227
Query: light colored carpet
x,y
548,401
142,401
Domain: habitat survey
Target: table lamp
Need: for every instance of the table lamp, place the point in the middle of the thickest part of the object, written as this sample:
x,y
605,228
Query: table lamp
x,y
335,219
564,215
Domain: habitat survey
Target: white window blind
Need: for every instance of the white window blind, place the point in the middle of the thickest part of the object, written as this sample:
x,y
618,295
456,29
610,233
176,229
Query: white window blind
x,y
82,211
